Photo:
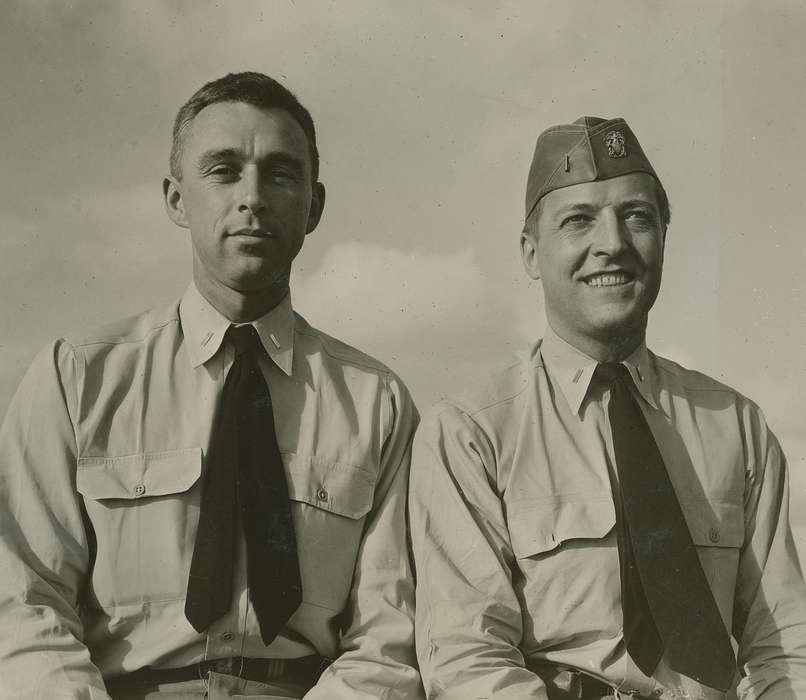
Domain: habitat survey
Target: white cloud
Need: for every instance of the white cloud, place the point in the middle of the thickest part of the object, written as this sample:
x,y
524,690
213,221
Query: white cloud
x,y
439,319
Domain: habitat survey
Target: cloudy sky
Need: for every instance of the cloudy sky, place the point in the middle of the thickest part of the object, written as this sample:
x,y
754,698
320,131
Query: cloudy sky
x,y
427,115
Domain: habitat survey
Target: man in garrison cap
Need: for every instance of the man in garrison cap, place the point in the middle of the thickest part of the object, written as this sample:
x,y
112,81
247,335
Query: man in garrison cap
x,y
597,521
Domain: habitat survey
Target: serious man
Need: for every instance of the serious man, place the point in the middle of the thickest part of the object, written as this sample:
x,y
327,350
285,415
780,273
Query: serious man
x,y
598,521
208,499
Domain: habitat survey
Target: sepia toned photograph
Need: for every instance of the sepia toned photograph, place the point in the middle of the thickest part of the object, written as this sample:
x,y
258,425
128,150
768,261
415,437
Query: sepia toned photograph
x,y
361,350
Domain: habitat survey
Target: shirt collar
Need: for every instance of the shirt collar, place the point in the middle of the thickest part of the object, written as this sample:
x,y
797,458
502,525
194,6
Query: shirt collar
x,y
204,328
573,369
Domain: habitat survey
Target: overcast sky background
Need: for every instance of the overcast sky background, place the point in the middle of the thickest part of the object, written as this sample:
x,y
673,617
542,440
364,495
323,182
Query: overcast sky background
x,y
427,114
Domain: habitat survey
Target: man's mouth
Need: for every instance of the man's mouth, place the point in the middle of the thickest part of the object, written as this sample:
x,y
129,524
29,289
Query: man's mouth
x,y
251,233
609,279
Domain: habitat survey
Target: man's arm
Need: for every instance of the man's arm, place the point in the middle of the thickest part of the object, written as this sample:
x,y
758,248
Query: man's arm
x,y
44,553
770,606
469,620
377,660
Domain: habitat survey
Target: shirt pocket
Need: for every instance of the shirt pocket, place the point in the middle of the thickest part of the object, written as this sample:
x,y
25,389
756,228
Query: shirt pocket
x,y
565,570
329,501
143,508
717,530
542,526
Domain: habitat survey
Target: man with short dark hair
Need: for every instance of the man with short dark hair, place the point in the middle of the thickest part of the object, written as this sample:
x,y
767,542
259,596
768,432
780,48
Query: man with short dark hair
x,y
208,499
597,521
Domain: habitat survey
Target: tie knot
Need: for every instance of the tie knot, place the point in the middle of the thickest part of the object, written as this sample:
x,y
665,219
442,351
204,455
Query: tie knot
x,y
611,372
244,339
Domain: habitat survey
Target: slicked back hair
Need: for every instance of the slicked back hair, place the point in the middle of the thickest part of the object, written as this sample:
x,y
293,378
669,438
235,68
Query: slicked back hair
x,y
251,88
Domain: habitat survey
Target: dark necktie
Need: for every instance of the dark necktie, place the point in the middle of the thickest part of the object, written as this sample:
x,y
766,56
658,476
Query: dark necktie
x,y
668,606
245,471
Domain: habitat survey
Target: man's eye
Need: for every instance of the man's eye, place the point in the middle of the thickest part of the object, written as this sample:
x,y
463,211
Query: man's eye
x,y
222,171
284,175
575,220
641,216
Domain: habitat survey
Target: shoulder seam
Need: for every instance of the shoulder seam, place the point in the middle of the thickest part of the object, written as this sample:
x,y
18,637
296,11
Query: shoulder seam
x,y
715,385
499,401
125,341
372,365
458,404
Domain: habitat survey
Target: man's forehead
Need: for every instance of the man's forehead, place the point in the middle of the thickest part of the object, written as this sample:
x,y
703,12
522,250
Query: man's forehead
x,y
227,124
613,191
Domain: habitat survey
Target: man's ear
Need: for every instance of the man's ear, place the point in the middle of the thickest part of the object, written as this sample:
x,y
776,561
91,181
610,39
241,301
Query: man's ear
x,y
529,254
317,206
174,205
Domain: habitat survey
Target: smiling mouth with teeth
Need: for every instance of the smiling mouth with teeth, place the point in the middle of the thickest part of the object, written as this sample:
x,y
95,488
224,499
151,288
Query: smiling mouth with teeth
x,y
612,279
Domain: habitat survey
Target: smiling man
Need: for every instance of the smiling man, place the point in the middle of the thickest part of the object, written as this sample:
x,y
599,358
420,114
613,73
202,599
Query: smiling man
x,y
597,521
208,500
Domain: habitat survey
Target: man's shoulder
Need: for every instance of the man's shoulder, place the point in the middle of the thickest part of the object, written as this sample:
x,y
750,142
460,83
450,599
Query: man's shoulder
x,y
711,396
336,351
504,386
127,339
674,374
136,329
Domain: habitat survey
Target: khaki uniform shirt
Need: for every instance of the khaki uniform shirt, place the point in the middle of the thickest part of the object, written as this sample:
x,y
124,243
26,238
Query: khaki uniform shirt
x,y
102,456
513,527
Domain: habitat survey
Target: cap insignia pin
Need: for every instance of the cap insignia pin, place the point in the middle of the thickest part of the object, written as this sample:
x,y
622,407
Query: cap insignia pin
x,y
616,148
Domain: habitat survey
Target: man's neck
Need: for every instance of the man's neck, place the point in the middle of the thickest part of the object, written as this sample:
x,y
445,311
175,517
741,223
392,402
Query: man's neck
x,y
241,307
611,348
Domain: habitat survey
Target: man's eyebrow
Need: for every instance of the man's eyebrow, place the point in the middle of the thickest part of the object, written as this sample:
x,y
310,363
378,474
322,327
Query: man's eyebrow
x,y
215,155
588,206
636,202
281,158
574,206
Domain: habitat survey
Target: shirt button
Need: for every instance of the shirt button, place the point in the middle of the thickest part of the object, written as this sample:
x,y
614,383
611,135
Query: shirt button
x,y
139,490
713,534
321,494
227,636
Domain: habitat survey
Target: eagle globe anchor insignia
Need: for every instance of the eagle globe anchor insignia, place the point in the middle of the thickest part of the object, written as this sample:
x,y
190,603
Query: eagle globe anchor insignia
x,y
616,147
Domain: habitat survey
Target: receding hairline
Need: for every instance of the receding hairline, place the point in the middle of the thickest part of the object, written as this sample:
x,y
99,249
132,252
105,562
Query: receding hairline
x,y
183,127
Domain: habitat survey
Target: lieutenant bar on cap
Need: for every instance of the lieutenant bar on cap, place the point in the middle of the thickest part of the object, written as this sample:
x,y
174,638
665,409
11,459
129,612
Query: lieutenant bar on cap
x,y
590,149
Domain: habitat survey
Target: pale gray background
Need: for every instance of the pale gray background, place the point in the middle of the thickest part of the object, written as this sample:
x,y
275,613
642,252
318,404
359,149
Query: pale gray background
x,y
427,114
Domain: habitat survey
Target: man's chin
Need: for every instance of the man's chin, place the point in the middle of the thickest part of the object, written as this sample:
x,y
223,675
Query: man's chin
x,y
620,330
255,290
256,281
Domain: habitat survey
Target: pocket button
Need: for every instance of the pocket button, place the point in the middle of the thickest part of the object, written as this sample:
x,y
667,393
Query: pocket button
x,y
713,535
322,495
139,490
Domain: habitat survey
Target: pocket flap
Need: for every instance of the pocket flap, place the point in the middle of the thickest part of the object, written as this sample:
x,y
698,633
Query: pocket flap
x,y
332,486
714,523
140,475
539,526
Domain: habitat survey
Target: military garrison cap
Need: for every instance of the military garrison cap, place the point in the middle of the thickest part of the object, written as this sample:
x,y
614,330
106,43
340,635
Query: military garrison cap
x,y
590,149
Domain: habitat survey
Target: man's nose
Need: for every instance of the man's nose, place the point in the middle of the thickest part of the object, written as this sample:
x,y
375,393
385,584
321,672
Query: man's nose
x,y
250,192
611,235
